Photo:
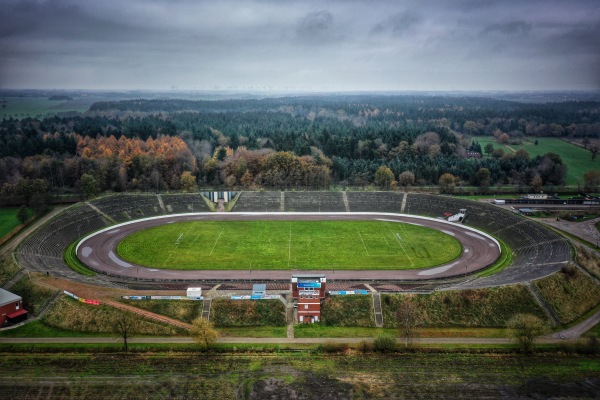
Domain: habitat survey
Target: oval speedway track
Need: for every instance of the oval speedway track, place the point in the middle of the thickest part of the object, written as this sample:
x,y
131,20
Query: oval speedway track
x,y
98,250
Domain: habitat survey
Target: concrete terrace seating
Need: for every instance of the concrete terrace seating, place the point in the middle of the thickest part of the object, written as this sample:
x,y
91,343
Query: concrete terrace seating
x,y
340,286
258,201
184,203
375,201
44,249
125,207
537,251
314,201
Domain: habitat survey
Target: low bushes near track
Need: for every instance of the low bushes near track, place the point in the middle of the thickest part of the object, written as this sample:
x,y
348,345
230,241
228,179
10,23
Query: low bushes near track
x,y
570,292
74,316
491,307
348,310
225,312
8,269
33,293
588,260
185,311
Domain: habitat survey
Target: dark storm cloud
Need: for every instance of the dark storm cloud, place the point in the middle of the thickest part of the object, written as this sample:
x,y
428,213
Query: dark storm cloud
x,y
337,45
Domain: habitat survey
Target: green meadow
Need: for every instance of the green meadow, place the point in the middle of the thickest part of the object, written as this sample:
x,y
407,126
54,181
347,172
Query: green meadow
x,y
577,159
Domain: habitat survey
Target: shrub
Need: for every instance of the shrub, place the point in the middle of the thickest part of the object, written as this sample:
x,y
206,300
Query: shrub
x,y
491,307
226,312
349,310
385,343
333,347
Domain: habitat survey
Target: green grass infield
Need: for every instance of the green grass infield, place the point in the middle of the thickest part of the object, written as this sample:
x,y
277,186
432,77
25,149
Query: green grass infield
x,y
272,245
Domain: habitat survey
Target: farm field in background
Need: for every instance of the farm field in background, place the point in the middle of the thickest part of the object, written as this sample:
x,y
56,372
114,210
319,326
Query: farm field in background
x,y
23,107
577,159
350,245
8,220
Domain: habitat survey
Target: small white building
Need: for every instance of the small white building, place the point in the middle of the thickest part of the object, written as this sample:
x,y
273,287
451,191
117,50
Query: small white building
x,y
194,292
536,196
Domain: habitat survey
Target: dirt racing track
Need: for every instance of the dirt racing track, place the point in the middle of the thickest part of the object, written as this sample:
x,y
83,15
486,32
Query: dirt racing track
x,y
535,251
98,250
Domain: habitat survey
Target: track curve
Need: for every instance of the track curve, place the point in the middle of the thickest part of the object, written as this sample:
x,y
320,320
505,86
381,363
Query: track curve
x,y
98,250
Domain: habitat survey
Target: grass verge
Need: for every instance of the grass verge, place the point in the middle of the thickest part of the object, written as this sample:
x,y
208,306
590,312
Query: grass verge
x,y
254,331
504,261
74,263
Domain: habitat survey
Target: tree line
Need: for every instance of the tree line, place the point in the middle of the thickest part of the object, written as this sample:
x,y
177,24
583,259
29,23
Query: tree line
x,y
309,142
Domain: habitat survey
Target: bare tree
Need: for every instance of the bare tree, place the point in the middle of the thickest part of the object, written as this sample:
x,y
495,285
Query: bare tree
x,y
203,332
526,328
407,321
126,325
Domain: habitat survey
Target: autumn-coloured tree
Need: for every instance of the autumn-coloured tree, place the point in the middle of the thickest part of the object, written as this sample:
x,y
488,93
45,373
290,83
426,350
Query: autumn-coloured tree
x,y
591,180
447,183
188,182
384,177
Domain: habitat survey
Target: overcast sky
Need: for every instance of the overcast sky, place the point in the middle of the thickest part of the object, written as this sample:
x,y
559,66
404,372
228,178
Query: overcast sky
x,y
303,45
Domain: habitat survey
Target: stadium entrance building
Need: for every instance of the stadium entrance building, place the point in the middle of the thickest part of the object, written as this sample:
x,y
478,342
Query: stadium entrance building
x,y
308,291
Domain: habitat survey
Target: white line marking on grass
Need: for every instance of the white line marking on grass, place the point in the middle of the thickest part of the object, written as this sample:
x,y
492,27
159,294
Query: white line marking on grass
x,y
168,258
386,242
412,264
214,245
363,242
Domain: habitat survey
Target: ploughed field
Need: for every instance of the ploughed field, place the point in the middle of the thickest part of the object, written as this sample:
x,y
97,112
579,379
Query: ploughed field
x,y
303,245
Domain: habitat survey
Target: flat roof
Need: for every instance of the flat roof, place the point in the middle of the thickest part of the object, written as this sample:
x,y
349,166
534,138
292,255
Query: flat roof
x,y
7,297
259,287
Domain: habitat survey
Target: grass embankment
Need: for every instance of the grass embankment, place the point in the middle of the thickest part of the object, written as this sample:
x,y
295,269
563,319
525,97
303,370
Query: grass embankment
x,y
578,160
326,376
588,260
570,293
74,263
247,313
348,310
8,269
503,261
485,308
185,311
71,315
348,245
33,293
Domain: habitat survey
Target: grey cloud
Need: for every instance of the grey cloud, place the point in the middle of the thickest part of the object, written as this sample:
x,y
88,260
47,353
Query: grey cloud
x,y
517,28
397,24
315,24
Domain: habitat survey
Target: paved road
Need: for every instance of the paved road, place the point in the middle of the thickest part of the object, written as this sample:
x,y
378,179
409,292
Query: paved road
x,y
99,250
